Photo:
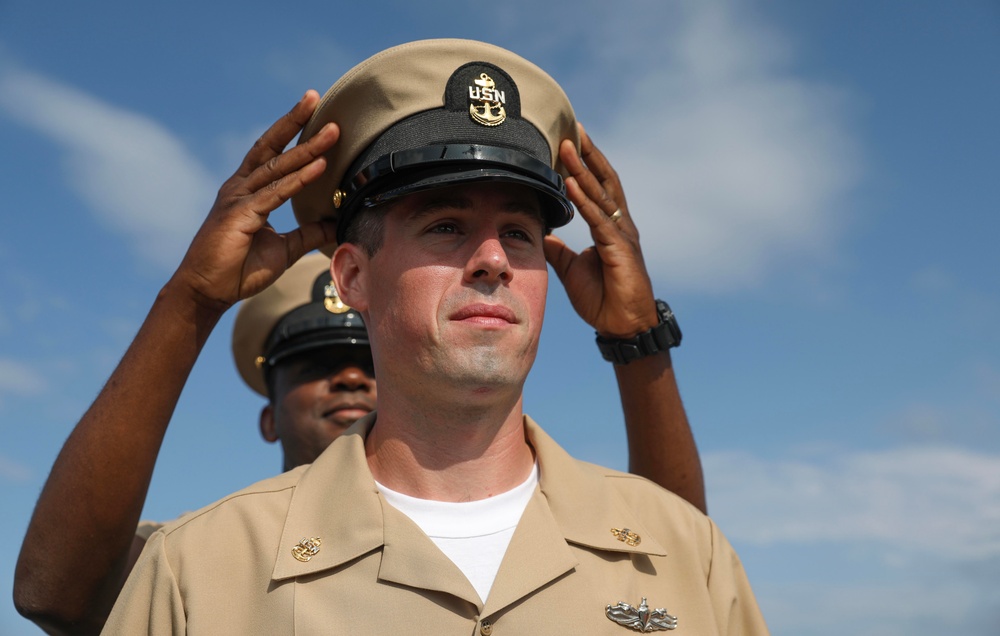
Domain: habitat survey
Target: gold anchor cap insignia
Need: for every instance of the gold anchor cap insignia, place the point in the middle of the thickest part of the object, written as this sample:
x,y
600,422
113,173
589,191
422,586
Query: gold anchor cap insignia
x,y
627,536
332,301
642,618
338,197
487,102
306,549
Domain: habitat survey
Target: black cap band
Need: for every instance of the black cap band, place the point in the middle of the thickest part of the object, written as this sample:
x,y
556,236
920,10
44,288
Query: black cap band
x,y
408,171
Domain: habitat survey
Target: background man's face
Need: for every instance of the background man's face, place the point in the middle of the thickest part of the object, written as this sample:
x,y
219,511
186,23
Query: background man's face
x,y
316,396
456,295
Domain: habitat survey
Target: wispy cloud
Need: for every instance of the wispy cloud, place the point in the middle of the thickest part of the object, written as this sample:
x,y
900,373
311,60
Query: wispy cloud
x,y
938,601
20,379
134,174
14,471
941,500
732,162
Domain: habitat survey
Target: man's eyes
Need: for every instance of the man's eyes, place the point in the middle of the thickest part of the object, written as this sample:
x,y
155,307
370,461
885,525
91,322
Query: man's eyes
x,y
453,228
521,235
445,227
314,369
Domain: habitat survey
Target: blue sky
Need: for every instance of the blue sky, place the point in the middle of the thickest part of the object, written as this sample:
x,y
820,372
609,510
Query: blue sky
x,y
817,186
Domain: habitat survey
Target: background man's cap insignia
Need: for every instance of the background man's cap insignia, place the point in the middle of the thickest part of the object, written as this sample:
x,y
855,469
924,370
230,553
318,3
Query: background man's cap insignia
x,y
332,301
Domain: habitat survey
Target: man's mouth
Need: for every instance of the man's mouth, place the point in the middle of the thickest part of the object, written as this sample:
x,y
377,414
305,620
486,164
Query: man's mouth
x,y
485,314
350,411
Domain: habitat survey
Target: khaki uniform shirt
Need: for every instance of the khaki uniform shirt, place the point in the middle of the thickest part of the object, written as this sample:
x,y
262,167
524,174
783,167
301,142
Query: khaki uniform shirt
x,y
146,529
230,568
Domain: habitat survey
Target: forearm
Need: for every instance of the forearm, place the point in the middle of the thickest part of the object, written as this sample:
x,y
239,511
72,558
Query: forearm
x,y
76,550
660,442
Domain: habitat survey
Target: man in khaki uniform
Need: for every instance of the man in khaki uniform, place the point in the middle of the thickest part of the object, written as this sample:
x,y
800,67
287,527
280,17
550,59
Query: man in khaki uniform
x,y
449,510
297,345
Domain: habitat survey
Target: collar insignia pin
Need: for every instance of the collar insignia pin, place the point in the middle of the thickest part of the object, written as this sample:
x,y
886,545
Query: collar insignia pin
x,y
642,618
306,549
627,536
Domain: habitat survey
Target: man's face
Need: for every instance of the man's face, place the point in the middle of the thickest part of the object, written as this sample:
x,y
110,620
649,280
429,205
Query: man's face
x,y
456,294
316,396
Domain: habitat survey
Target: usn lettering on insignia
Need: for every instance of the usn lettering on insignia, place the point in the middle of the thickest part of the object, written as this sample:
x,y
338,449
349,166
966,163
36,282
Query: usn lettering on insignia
x,y
487,102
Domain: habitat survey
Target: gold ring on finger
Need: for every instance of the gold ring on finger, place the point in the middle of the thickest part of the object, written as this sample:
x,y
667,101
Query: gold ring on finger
x,y
617,214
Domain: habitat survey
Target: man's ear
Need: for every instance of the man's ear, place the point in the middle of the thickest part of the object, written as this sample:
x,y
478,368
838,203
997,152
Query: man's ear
x,y
267,428
348,269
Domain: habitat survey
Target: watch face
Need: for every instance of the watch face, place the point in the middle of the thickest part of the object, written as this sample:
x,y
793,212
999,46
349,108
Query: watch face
x,y
664,310
667,318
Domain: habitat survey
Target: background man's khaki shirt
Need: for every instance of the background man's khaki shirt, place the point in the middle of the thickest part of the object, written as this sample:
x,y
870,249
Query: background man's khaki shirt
x,y
231,568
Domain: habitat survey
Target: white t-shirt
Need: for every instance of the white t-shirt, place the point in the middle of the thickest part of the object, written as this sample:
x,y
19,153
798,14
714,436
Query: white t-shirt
x,y
473,534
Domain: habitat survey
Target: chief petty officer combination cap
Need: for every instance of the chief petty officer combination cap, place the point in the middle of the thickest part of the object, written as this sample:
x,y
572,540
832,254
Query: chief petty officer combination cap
x,y
300,312
434,113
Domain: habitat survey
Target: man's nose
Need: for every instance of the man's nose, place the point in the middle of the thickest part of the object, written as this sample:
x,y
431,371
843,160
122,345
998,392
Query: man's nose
x,y
351,378
489,262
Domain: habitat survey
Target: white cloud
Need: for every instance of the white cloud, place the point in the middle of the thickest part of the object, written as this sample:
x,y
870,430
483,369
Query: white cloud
x,y
913,500
941,604
13,471
732,162
137,177
18,378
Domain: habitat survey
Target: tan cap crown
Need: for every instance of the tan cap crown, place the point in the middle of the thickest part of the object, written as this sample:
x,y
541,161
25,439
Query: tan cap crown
x,y
289,317
509,103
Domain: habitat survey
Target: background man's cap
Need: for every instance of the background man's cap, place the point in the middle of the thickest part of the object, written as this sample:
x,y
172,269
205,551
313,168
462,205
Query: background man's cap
x,y
434,113
300,312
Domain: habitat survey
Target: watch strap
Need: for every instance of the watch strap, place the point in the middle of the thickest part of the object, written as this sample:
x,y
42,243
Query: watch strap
x,y
662,337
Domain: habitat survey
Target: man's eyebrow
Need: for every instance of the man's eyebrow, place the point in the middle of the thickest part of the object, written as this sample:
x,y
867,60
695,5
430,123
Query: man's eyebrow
x,y
442,202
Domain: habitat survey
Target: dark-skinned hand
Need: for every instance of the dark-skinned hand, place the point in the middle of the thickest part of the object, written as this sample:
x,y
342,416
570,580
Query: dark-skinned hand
x,y
607,283
236,253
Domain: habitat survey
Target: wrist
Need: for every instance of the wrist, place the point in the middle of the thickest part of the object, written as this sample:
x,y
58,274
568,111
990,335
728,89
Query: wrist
x,y
187,306
660,338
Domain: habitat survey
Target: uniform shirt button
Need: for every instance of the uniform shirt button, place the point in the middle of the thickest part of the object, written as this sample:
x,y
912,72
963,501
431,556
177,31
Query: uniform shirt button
x,y
485,627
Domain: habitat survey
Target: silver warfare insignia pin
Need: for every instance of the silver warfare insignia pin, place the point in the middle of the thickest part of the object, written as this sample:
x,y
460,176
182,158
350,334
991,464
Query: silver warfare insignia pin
x,y
642,618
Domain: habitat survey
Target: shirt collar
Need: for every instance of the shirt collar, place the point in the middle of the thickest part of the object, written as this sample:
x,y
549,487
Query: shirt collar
x,y
584,505
583,500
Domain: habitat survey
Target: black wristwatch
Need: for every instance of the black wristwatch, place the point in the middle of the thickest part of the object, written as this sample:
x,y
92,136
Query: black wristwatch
x,y
663,336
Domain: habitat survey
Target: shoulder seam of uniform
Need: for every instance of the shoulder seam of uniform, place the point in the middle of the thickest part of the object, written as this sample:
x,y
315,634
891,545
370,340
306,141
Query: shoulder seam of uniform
x,y
186,519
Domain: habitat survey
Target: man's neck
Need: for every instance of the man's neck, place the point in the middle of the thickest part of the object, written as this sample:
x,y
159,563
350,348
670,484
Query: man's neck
x,y
449,456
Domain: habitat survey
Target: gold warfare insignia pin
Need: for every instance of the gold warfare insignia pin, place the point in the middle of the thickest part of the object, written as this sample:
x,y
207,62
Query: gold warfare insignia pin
x,y
306,549
642,618
487,102
627,536
332,301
